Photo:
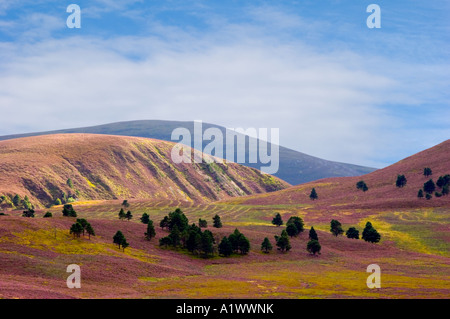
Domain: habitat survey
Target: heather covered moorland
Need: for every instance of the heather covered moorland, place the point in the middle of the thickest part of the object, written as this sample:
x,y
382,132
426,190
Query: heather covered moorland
x,y
413,252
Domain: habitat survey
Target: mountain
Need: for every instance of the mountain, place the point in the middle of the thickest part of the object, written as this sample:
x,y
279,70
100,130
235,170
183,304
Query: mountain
x,y
341,193
294,167
117,167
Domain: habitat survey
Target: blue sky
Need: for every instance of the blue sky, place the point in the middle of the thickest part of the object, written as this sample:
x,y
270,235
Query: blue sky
x,y
335,88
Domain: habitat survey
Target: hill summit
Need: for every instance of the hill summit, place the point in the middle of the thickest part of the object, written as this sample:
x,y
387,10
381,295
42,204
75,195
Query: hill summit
x,y
103,167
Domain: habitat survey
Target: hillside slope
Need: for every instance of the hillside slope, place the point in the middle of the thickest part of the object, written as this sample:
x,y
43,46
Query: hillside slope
x,y
295,167
116,167
342,193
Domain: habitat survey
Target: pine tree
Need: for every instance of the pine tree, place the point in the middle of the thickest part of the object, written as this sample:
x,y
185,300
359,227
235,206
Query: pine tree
x,y
427,171
291,230
352,232
28,213
206,243
17,200
420,193
313,234
234,239
83,222
118,238
313,247
225,248
266,246
298,222
336,228
145,218
362,186
445,190
122,214
313,195
370,234
202,223
150,230
401,181
175,236
129,215
164,223
429,187
76,229
68,211
283,241
277,220
243,244
124,244
217,223
90,230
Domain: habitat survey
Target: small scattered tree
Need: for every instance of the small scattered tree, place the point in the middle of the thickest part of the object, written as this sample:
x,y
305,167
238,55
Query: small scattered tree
x,y
69,183
243,245
266,246
277,220
145,218
68,211
90,230
17,200
445,190
28,213
129,216
313,195
202,223
313,247
124,244
150,230
207,241
118,238
443,181
282,241
217,223
370,234
125,203
428,196
429,187
291,230
352,232
225,248
298,222
48,214
313,234
427,171
165,241
58,202
122,214
76,229
401,181
420,193
175,236
83,222
362,186
336,228
164,223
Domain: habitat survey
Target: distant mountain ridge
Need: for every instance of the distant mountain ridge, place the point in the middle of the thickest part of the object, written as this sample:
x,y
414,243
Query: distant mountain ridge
x,y
294,167
105,167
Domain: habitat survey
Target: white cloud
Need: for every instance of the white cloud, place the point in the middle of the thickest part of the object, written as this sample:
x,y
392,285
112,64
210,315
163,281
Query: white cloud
x,y
330,105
